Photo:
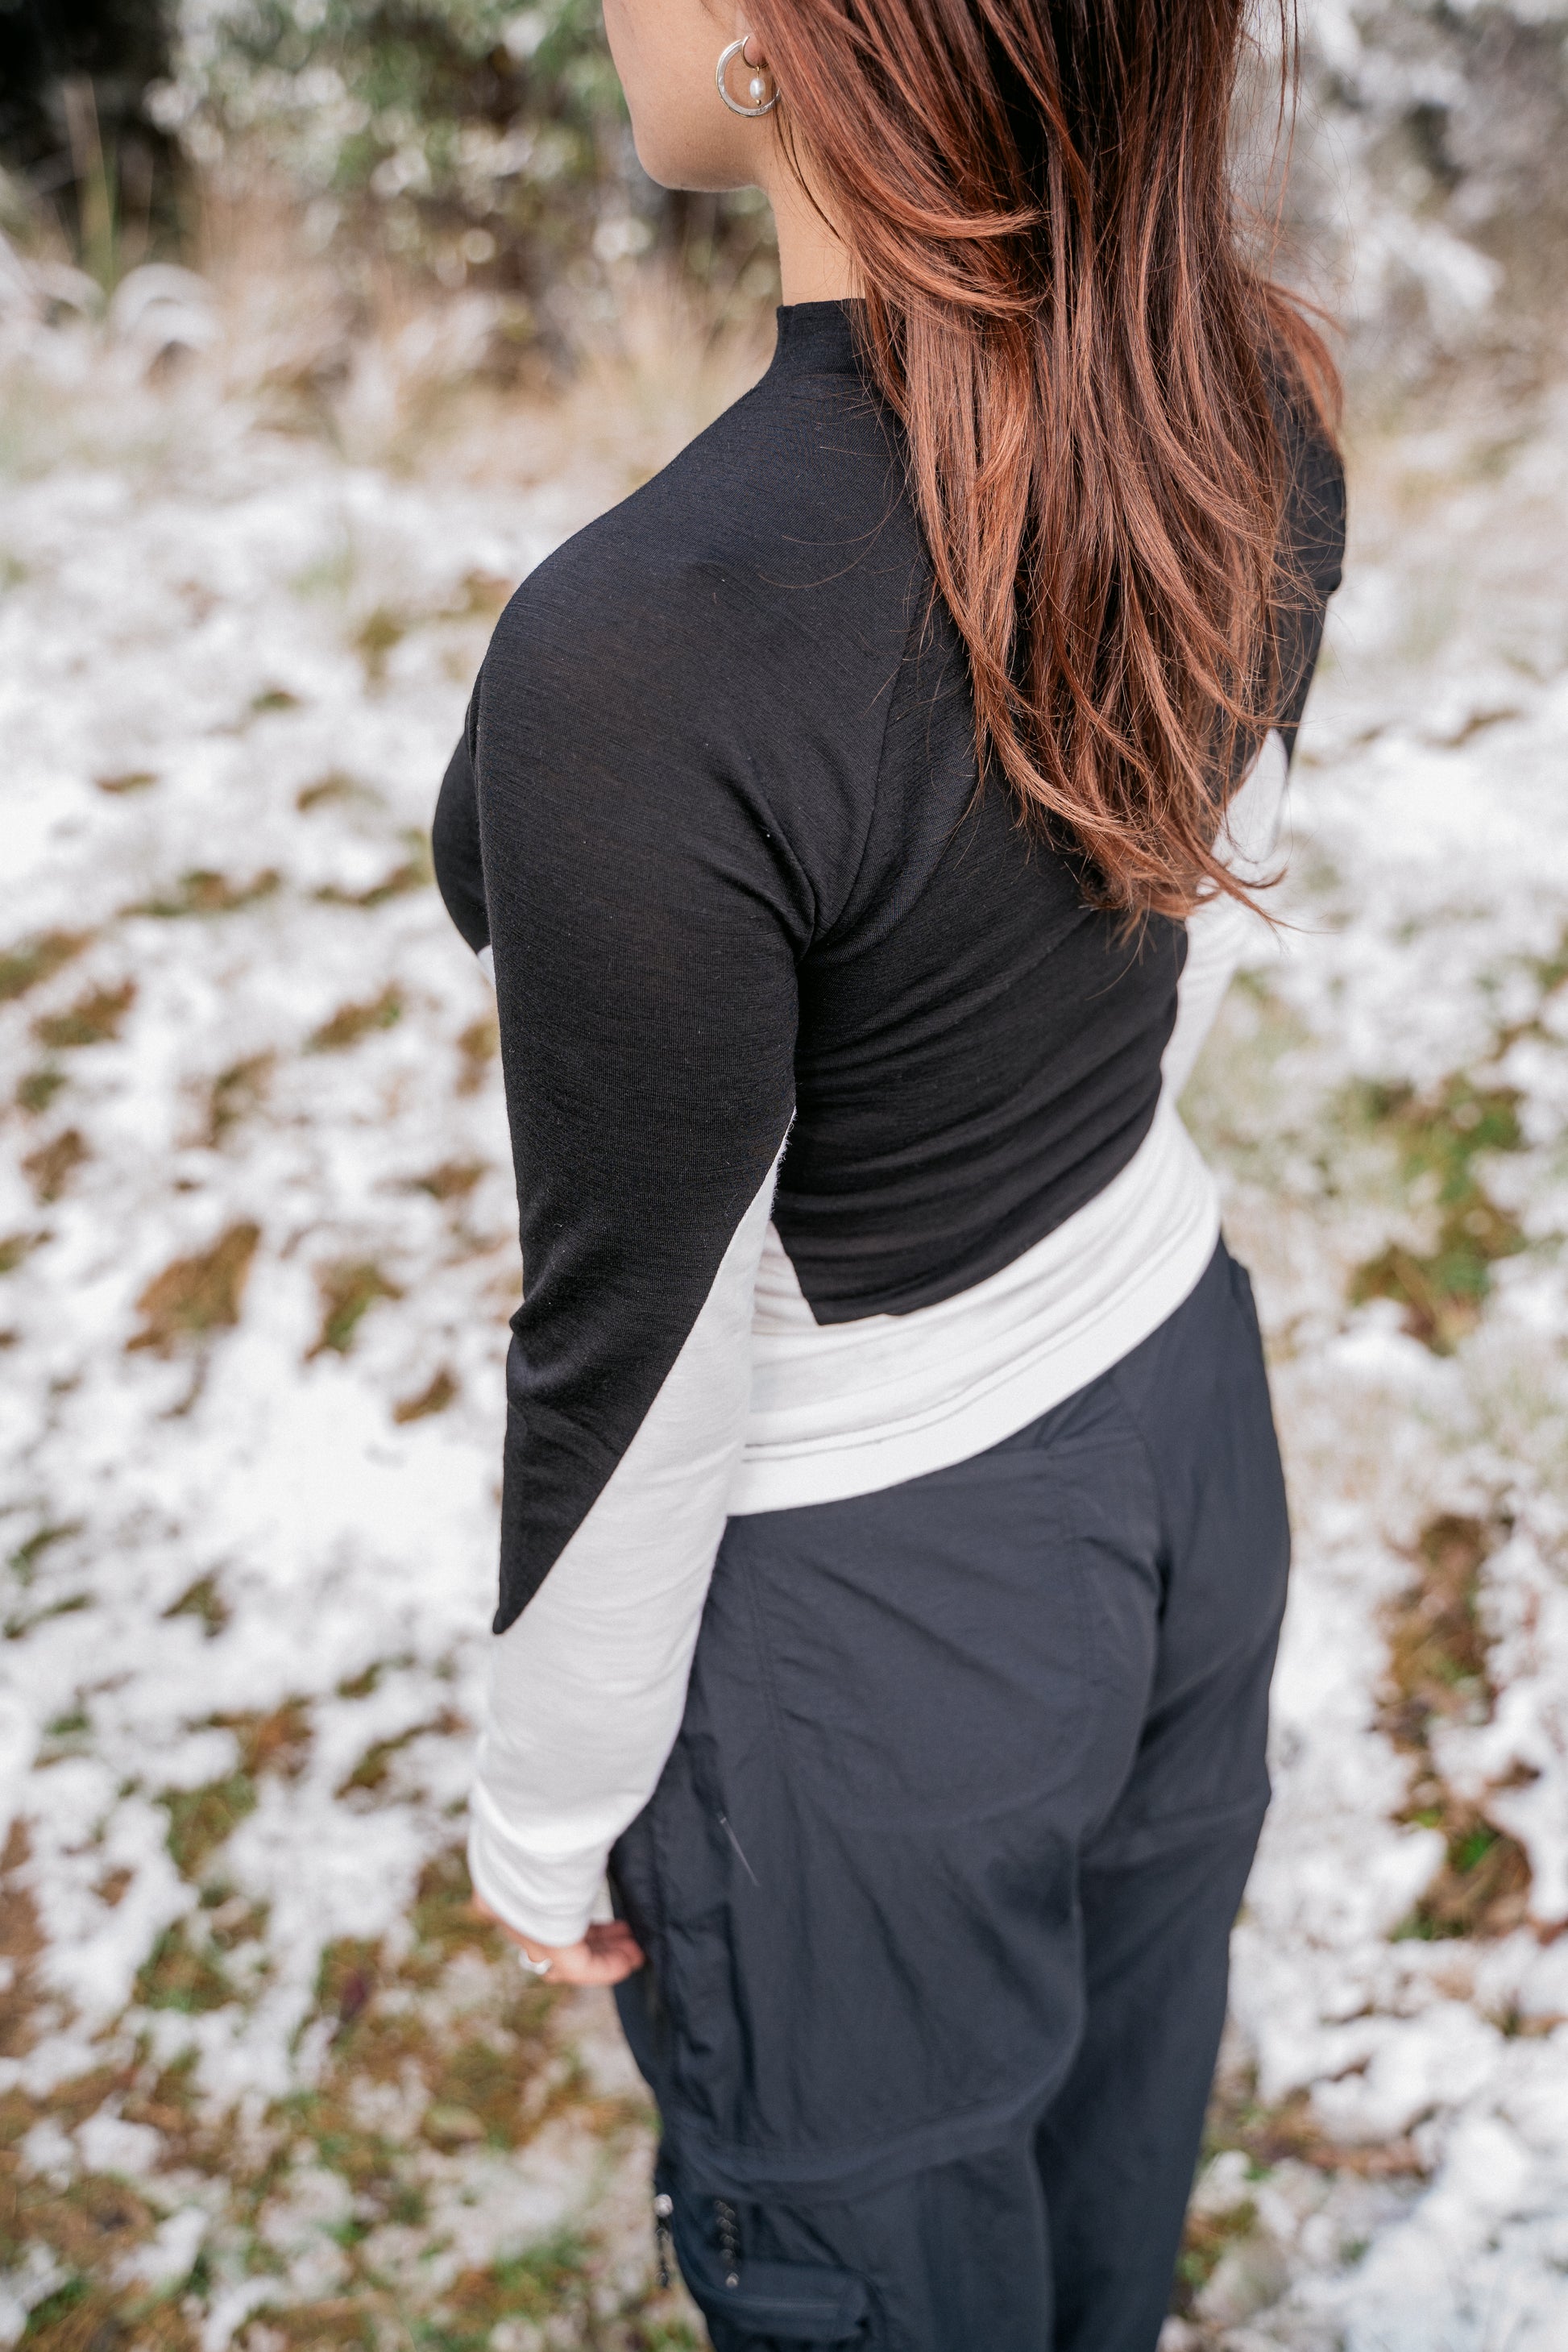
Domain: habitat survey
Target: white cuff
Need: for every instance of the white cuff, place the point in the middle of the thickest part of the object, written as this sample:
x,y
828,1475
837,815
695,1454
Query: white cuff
x,y
550,1900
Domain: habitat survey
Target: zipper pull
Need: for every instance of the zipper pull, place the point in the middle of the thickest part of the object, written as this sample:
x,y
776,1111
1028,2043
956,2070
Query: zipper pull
x,y
724,2214
663,2207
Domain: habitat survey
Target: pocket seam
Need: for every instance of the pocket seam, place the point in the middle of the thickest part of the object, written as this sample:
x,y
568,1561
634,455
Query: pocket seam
x,y
841,2302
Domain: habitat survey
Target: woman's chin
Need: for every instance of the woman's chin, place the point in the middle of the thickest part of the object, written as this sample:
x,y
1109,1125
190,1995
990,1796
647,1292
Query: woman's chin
x,y
670,163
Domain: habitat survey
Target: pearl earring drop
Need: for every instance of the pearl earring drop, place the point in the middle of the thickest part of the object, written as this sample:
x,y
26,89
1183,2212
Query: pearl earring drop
x,y
761,90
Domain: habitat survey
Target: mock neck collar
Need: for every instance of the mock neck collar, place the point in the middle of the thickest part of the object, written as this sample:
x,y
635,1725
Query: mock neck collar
x,y
817,336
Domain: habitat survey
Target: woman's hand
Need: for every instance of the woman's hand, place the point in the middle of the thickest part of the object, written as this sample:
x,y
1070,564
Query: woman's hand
x,y
607,1953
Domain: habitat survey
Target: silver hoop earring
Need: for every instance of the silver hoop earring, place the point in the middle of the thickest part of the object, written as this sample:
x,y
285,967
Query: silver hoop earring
x,y
759,79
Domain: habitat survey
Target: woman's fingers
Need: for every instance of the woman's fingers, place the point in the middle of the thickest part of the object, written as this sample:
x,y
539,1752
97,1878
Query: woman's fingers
x,y
613,1953
609,1953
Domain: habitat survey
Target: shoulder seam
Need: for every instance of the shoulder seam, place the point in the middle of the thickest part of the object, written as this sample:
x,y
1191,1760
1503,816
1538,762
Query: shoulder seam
x,y
917,620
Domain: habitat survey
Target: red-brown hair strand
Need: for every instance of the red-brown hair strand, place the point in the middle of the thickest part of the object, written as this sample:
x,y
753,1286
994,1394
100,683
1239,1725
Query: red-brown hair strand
x,y
1037,197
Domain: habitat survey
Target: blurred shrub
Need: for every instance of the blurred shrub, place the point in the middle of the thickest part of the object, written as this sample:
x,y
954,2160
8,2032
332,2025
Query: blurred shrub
x,y
469,136
73,75
1432,159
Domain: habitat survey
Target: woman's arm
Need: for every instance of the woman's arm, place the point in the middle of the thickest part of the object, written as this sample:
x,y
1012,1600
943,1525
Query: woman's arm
x,y
645,921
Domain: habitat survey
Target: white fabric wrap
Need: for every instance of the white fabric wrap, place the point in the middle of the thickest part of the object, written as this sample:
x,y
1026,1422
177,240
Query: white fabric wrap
x,y
587,1686
765,1408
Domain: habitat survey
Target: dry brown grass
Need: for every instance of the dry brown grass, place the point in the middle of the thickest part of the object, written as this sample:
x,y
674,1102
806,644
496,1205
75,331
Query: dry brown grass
x,y
1437,1673
50,1168
644,377
349,1290
413,874
1290,2132
331,791
88,2316
435,1397
202,1600
1205,2238
93,1020
36,1089
1440,1139
21,1948
135,780
22,968
1286,2132
489,2061
276,1739
349,1023
454,1179
476,1047
397,376
184,1972
372,1773
235,1093
203,892
200,1819
197,1296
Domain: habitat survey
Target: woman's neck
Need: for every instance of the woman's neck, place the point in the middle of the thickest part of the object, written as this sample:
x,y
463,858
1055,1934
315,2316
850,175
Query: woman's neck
x,y
814,261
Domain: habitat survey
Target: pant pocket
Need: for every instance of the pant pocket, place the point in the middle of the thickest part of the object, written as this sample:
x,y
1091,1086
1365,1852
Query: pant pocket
x,y
767,2302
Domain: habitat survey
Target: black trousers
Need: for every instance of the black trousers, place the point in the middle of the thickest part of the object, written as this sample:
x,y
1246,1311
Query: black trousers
x,y
938,1883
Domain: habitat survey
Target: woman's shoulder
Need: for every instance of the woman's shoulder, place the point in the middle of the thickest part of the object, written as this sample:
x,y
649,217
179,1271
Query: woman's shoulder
x,y
710,662
784,516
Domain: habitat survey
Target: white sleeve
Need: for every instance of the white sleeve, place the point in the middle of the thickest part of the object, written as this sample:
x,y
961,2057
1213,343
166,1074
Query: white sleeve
x,y
587,1686
1221,932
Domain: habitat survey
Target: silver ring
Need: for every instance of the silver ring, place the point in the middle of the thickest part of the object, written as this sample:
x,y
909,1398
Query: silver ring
x,y
535,1968
738,49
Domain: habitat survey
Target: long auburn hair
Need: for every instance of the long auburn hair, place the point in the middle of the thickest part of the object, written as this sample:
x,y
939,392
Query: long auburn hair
x,y
1085,363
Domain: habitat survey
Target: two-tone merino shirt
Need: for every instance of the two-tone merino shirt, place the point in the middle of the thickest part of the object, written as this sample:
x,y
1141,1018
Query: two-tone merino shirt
x,y
843,1121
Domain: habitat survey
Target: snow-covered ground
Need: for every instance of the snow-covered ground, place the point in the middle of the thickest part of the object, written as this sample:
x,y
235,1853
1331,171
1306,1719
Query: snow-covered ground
x,y
261,2079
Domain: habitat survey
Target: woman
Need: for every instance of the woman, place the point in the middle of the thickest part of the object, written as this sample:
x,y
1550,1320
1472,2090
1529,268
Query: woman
x,y
862,817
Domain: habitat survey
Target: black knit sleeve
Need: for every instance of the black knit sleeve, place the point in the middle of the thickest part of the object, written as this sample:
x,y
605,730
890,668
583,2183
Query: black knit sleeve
x,y
646,915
